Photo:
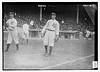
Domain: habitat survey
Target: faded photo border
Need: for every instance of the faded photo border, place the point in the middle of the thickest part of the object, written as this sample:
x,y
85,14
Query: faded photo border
x,y
97,35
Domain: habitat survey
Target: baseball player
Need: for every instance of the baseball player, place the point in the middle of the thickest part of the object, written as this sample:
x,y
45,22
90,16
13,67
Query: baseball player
x,y
12,31
50,34
87,34
32,22
26,32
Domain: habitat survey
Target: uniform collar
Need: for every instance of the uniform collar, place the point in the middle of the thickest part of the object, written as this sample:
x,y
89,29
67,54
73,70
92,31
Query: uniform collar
x,y
53,20
12,18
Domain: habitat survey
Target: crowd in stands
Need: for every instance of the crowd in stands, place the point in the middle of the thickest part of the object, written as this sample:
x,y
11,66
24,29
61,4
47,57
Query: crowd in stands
x,y
65,25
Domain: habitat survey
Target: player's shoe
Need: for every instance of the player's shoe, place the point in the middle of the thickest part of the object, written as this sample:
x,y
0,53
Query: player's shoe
x,y
16,49
49,55
45,54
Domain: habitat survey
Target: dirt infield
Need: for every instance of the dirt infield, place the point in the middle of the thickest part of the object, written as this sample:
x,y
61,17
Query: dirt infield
x,y
67,54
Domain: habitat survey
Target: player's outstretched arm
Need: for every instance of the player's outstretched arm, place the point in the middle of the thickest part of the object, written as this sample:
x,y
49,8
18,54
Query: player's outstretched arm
x,y
57,32
44,30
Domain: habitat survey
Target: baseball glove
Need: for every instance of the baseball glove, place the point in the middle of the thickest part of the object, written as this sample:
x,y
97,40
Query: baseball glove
x,y
42,35
56,39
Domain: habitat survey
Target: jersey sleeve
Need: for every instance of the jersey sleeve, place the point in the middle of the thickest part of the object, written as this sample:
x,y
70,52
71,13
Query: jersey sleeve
x,y
14,23
57,29
45,27
28,27
8,22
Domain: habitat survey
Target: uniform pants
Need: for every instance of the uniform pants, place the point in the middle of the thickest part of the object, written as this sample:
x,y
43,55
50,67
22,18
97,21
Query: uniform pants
x,y
87,35
12,35
25,35
49,38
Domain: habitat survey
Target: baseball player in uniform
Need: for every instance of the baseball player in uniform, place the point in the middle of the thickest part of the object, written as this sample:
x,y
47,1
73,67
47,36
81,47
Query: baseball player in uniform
x,y
12,31
87,34
50,34
32,22
26,32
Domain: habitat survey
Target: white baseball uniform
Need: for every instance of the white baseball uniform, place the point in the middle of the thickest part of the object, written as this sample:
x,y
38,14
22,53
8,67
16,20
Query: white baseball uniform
x,y
12,31
26,31
87,33
31,23
51,29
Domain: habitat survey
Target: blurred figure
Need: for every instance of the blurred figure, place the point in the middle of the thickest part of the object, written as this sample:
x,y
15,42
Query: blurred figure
x,y
50,32
25,32
62,22
4,28
87,34
12,31
32,22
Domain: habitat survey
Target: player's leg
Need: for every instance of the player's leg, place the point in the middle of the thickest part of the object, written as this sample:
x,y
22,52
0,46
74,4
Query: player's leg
x,y
45,41
9,40
87,36
23,37
15,38
17,45
50,50
8,45
20,36
27,37
46,47
22,41
51,42
27,41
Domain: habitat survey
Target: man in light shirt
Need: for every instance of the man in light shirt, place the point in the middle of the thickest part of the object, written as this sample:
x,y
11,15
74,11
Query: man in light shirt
x,y
12,31
26,32
87,34
50,34
32,22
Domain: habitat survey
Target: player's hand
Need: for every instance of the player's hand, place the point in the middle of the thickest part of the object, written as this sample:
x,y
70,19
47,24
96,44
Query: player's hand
x,y
7,29
56,38
11,29
42,35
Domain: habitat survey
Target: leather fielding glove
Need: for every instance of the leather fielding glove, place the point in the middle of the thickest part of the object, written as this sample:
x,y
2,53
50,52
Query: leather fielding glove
x,y
56,38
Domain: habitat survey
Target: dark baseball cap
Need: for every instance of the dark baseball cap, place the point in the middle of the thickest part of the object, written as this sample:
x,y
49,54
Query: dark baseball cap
x,y
53,13
11,13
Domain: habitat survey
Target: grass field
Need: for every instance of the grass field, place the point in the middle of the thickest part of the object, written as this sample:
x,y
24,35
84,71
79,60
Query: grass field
x,y
67,54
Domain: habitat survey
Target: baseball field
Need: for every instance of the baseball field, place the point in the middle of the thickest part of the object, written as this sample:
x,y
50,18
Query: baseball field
x,y
67,54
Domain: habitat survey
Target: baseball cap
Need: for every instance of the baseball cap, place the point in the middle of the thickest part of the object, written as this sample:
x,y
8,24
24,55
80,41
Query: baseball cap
x,y
53,13
11,13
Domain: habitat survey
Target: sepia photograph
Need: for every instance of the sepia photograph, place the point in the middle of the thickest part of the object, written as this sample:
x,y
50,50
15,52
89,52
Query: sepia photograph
x,y
49,36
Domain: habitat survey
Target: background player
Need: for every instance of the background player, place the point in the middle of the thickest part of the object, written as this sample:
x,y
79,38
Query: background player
x,y
32,22
50,32
87,34
12,31
25,32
